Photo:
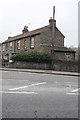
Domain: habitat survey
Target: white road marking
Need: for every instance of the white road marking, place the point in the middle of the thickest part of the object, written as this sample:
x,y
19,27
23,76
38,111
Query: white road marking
x,y
12,92
28,86
74,92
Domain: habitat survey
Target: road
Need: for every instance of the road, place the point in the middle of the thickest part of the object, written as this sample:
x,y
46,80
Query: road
x,y
35,95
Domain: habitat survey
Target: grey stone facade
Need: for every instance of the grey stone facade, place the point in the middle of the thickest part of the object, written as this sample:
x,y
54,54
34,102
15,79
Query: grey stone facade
x,y
42,42
0,55
0,51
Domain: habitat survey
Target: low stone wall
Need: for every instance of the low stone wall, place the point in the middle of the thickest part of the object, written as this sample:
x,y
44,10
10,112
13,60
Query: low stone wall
x,y
66,66
57,66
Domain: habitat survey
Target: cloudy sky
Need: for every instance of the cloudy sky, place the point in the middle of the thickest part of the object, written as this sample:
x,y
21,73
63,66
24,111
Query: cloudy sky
x,y
15,14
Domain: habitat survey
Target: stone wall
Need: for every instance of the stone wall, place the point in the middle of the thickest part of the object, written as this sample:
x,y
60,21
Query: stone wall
x,y
57,66
44,37
63,56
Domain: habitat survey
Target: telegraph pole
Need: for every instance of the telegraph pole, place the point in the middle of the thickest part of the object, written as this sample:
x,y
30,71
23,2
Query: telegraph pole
x,y
53,36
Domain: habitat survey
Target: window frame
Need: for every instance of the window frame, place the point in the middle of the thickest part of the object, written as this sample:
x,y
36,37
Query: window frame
x,y
32,43
25,43
3,47
18,44
10,45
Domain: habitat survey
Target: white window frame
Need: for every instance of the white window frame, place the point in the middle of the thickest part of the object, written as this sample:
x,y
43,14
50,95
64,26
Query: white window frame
x,y
5,57
32,42
10,45
3,47
67,55
18,44
25,42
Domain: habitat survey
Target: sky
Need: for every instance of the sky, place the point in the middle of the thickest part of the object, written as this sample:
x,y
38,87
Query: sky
x,y
15,14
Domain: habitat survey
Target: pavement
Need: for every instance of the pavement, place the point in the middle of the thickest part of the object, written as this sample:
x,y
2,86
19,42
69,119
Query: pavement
x,y
42,71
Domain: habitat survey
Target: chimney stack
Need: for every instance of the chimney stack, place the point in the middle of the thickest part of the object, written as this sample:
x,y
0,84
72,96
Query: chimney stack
x,y
9,37
25,30
51,22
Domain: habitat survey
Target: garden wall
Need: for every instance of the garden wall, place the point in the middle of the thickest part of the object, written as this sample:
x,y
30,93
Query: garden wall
x,y
57,66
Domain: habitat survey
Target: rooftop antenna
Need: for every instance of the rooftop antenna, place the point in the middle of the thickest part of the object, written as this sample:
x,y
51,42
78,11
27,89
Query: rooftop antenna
x,y
29,25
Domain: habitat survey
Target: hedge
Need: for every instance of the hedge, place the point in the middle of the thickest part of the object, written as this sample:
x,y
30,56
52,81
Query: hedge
x,y
36,57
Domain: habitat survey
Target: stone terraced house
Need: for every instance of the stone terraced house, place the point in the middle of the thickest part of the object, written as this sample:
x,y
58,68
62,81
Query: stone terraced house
x,y
41,40
0,52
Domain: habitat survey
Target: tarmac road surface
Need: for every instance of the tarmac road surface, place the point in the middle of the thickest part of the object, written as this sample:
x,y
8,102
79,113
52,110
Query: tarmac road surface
x,y
35,95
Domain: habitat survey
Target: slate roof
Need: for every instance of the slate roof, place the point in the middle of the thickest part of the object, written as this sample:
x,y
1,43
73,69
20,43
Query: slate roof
x,y
63,49
35,32
28,34
58,48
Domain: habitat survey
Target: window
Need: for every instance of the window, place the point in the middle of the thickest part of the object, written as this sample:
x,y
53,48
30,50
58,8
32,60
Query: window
x,y
18,44
32,42
24,43
67,54
3,47
6,46
10,45
6,57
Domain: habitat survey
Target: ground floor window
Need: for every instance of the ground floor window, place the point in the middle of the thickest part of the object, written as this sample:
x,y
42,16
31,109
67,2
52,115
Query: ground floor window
x,y
6,57
67,56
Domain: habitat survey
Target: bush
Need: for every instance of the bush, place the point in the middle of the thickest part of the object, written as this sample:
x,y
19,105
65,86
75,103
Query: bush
x,y
36,57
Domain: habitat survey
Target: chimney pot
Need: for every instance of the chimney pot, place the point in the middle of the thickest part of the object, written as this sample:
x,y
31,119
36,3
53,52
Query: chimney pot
x,y
51,22
25,30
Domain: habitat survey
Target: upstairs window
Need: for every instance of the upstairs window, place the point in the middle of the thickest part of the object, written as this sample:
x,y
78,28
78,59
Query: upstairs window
x,y
10,45
18,44
3,47
6,46
25,43
32,42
